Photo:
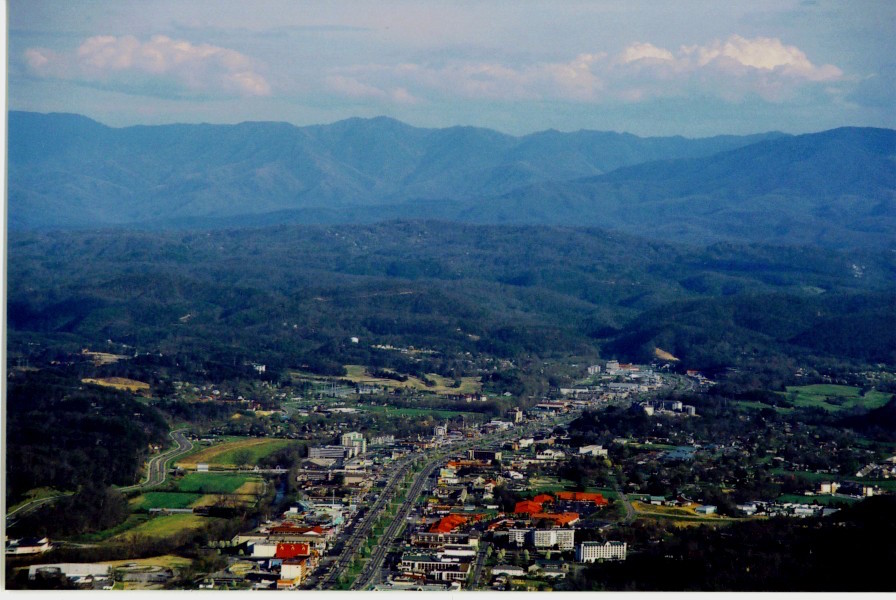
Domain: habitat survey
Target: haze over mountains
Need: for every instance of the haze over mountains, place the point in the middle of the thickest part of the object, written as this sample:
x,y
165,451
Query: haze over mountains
x,y
835,188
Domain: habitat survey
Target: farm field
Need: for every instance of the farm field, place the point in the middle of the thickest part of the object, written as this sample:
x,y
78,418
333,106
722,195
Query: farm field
x,y
163,526
418,412
164,500
226,454
167,561
119,383
443,386
220,483
822,500
833,398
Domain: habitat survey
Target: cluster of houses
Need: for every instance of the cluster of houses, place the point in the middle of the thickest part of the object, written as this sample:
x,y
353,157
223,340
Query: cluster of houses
x,y
284,553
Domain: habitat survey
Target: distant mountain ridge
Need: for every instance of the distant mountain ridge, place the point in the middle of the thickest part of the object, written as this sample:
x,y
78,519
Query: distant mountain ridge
x,y
834,188
68,170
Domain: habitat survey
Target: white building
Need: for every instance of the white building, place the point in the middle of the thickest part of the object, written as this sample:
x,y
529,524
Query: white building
x,y
588,552
593,450
564,539
356,442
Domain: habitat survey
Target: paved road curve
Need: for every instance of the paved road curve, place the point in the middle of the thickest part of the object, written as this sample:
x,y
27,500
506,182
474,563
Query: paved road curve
x,y
157,469
155,475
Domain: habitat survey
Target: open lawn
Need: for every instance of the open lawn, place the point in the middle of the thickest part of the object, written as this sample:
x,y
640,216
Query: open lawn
x,y
215,483
821,500
546,485
164,500
810,475
359,374
98,536
418,412
834,397
167,561
119,383
225,454
163,526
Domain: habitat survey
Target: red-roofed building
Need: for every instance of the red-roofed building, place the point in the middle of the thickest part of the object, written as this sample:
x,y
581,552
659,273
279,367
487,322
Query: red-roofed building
x,y
527,507
287,551
597,499
543,498
448,524
559,519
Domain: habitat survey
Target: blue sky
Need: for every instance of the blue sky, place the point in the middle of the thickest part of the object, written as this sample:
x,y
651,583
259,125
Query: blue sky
x,y
650,68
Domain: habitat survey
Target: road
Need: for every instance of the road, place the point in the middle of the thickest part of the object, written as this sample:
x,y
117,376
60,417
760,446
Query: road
x,y
157,469
362,528
155,475
371,571
473,581
14,515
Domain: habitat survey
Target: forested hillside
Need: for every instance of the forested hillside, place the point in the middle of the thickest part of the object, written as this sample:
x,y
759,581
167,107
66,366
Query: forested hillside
x,y
293,295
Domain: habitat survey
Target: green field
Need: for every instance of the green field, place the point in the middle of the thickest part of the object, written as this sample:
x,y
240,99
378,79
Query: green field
x,y
811,476
98,536
227,451
821,500
164,526
419,412
834,397
214,483
164,500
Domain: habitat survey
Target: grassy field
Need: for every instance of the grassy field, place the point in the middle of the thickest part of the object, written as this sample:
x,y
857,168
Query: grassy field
x,y
546,485
164,500
167,561
810,475
119,383
833,398
225,454
359,374
822,500
163,526
98,536
418,412
215,483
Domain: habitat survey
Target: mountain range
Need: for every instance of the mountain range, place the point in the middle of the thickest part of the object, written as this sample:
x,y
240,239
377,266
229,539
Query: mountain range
x,y
835,188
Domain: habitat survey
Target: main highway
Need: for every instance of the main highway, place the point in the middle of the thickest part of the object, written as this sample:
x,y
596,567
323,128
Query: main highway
x,y
157,468
371,570
362,528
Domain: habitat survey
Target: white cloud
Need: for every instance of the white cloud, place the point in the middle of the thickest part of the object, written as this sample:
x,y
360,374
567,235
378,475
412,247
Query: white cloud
x,y
729,70
641,51
767,54
125,59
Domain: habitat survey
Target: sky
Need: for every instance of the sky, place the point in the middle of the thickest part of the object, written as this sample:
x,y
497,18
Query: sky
x,y
646,67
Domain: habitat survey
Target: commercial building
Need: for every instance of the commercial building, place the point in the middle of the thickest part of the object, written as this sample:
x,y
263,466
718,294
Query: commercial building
x,y
588,552
356,442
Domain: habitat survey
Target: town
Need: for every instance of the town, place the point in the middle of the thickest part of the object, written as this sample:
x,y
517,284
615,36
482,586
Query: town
x,y
354,488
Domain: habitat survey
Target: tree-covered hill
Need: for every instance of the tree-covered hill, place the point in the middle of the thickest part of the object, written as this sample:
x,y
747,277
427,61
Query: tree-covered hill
x,y
294,295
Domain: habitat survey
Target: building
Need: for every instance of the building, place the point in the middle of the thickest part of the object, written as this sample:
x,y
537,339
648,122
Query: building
x,y
436,566
356,442
593,450
74,572
329,452
28,546
706,509
490,455
564,539
588,552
